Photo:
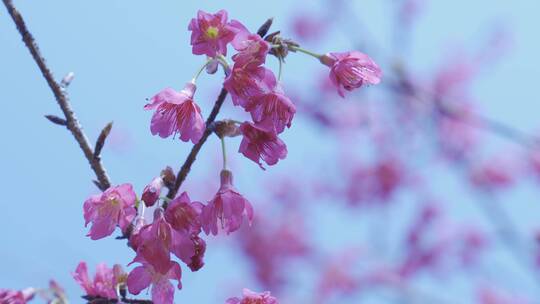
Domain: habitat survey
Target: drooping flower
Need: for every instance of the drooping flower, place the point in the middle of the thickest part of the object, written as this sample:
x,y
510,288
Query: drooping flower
x,y
153,243
258,143
183,216
156,241
105,281
114,207
143,276
152,191
228,207
250,297
351,70
210,33
251,52
272,109
16,297
244,83
176,112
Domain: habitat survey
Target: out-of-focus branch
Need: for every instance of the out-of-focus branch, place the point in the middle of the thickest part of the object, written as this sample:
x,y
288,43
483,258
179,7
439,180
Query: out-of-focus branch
x,y
186,167
61,96
400,85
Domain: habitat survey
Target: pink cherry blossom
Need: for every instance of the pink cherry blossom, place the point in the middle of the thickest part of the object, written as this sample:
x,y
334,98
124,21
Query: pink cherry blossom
x,y
250,297
182,214
228,207
258,143
16,297
210,33
176,112
105,280
156,241
272,109
153,243
114,207
152,191
351,70
376,183
493,174
251,52
143,276
243,83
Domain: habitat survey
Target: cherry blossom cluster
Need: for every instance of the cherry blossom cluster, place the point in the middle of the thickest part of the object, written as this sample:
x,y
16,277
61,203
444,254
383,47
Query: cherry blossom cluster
x,y
174,233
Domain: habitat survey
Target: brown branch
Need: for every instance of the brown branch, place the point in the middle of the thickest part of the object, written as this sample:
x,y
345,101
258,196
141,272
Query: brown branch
x,y
72,124
100,142
101,300
186,167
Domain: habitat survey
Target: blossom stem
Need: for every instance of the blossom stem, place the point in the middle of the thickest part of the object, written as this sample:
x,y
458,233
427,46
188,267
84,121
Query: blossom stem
x,y
223,60
224,153
200,70
280,68
301,50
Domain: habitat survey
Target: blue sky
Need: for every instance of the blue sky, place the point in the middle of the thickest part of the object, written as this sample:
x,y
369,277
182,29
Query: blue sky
x,y
125,51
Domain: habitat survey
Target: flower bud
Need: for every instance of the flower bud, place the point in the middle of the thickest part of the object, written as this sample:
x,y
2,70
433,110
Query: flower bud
x,y
152,191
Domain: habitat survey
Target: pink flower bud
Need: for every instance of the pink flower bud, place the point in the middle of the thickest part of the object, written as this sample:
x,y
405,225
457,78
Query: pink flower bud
x,y
152,191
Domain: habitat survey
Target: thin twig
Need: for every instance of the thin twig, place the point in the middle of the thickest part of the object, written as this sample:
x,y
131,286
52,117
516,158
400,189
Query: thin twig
x,y
186,167
100,142
72,124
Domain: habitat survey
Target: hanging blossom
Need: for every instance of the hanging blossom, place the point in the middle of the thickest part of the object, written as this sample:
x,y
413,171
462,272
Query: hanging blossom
x,y
176,112
16,297
105,282
252,51
258,143
228,207
211,33
183,216
157,240
114,207
271,109
243,83
153,244
172,231
248,76
162,289
351,70
250,297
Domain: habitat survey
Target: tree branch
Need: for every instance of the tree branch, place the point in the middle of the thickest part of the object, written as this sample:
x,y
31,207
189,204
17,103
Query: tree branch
x,y
101,300
60,94
186,167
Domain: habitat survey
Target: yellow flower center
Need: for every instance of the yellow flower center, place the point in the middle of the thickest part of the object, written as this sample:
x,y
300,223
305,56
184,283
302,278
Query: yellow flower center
x,y
114,201
212,32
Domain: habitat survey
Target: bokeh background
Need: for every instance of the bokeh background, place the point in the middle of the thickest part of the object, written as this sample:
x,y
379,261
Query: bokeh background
x,y
123,52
